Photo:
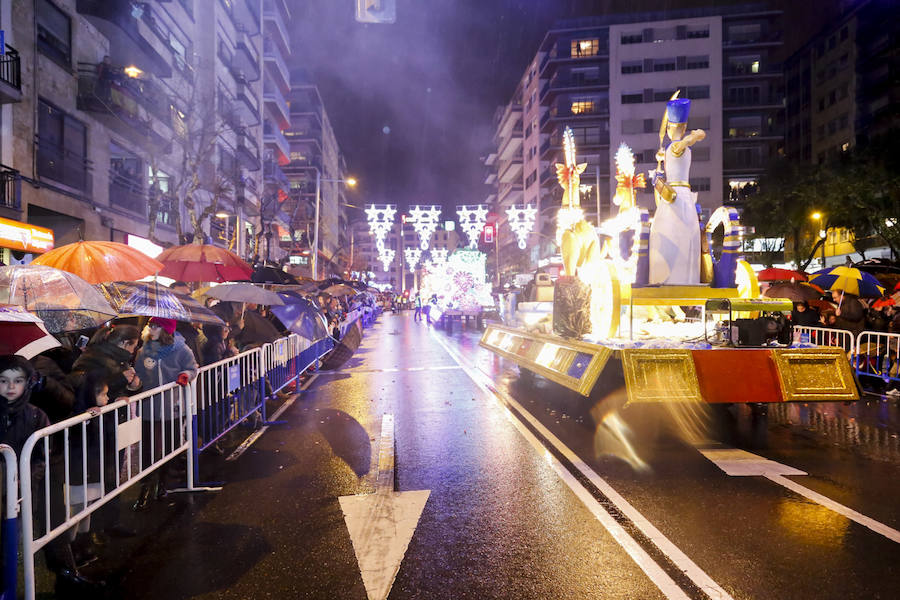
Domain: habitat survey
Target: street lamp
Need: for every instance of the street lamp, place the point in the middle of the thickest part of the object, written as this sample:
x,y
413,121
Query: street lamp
x,y
351,182
823,233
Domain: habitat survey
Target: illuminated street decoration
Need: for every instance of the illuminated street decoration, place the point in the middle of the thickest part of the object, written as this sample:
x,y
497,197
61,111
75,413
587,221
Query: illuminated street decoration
x,y
471,221
521,222
386,256
381,220
412,256
424,220
459,282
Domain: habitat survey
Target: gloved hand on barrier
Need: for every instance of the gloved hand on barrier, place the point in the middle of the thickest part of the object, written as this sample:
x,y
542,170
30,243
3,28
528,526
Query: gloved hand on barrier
x,y
183,379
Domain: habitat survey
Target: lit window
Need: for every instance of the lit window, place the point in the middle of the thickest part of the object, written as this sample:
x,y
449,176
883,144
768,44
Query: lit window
x,y
582,107
297,156
585,47
754,66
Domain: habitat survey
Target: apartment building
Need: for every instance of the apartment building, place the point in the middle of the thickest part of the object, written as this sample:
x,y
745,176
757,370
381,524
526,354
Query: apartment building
x,y
111,97
315,150
608,79
842,86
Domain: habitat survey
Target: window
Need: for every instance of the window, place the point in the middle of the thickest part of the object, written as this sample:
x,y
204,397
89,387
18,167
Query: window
x,y
663,64
697,62
532,177
61,147
743,65
743,34
663,95
635,98
54,31
697,92
747,126
586,136
700,184
588,47
634,66
697,33
632,38
743,95
583,106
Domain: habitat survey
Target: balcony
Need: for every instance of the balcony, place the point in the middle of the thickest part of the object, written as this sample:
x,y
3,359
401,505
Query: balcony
x,y
245,105
245,60
132,104
10,77
247,151
306,124
584,142
511,146
127,192
275,19
574,82
10,188
274,175
511,171
276,67
574,112
762,38
277,105
62,166
129,35
274,139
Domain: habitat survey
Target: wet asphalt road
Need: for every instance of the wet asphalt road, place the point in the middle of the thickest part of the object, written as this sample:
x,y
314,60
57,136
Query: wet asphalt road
x,y
500,521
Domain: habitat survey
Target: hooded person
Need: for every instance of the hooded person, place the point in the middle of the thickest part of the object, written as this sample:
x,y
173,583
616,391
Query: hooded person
x,y
804,315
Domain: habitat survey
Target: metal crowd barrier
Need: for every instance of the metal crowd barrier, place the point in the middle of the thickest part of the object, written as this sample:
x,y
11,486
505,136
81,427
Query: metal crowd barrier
x,y
228,392
118,446
10,526
877,354
824,336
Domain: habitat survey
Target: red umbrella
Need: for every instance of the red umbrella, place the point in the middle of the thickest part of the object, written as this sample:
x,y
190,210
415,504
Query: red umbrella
x,y
203,262
23,333
780,275
882,302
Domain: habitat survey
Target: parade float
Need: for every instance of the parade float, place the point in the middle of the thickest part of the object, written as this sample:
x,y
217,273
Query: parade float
x,y
654,306
456,286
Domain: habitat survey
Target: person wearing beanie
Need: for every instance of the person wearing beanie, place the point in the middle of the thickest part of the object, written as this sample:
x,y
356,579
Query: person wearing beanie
x,y
164,358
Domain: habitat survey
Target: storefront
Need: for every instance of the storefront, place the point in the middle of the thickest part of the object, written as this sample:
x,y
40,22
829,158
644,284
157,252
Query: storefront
x,y
19,242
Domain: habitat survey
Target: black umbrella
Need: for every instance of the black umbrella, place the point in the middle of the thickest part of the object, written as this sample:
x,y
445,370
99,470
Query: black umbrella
x,y
301,316
877,265
273,275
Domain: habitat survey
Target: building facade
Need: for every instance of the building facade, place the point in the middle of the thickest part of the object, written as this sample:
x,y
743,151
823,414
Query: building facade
x,y
314,150
121,105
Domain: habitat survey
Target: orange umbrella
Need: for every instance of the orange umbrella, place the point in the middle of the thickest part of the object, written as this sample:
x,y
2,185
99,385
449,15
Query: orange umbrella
x,y
203,262
101,262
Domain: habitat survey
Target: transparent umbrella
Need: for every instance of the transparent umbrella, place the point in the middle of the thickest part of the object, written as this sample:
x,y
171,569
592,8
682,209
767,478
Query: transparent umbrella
x,y
152,299
63,300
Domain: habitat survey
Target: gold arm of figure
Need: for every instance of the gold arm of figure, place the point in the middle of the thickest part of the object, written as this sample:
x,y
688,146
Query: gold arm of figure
x,y
664,190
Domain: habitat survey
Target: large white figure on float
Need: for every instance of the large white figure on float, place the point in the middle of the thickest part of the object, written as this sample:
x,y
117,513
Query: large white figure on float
x,y
675,232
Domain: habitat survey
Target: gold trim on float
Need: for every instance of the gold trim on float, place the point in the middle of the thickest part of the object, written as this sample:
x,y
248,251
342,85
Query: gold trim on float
x,y
547,355
815,375
660,375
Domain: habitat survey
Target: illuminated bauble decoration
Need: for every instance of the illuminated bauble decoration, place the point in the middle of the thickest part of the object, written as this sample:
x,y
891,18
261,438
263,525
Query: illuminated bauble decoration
x,y
521,222
412,256
471,221
424,220
386,256
381,220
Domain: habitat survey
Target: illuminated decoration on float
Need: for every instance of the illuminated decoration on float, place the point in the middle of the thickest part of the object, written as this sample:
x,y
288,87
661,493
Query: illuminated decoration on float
x,y
386,256
471,221
412,256
459,282
626,228
569,176
381,221
521,222
424,220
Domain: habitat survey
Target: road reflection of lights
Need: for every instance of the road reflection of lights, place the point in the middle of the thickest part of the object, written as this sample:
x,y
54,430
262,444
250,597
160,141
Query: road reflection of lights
x,y
811,523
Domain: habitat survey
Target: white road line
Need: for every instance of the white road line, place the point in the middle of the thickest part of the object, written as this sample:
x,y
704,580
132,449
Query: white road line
x,y
392,370
656,574
251,439
740,463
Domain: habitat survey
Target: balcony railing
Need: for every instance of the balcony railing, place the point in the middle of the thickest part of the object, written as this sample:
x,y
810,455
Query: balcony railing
x,y
11,74
245,58
127,191
62,165
272,54
107,89
10,188
247,152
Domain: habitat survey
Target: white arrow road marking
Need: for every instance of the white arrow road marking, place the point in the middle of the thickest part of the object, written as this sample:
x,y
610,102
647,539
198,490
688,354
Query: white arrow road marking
x,y
382,524
745,464
601,512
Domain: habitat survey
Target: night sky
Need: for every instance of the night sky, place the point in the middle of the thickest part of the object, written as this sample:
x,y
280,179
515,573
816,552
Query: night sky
x,y
412,103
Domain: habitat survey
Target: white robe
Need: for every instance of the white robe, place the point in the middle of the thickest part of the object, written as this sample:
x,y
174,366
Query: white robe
x,y
675,232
